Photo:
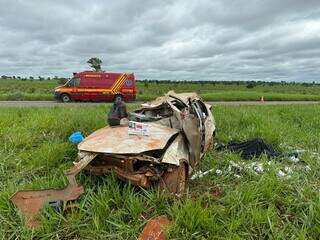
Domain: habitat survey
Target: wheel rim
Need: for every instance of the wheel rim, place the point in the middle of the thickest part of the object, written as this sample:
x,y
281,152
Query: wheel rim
x,y
65,98
118,98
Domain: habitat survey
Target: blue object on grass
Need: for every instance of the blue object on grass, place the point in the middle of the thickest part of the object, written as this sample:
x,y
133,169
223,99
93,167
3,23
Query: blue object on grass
x,y
76,137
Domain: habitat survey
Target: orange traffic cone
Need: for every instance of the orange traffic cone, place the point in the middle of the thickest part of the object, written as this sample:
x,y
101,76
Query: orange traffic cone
x,y
261,99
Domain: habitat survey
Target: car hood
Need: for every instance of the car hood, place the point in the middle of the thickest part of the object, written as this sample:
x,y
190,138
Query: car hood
x,y
116,140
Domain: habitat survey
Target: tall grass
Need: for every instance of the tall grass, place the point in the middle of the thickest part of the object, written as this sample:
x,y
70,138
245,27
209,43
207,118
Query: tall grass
x,y
34,152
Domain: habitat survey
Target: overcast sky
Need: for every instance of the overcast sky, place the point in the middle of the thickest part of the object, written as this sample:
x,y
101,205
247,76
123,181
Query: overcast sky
x,y
271,40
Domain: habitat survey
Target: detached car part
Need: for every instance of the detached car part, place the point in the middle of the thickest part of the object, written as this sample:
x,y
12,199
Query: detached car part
x,y
180,131
31,202
155,229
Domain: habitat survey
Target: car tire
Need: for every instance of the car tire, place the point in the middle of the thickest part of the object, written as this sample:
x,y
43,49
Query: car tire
x,y
175,179
118,97
65,98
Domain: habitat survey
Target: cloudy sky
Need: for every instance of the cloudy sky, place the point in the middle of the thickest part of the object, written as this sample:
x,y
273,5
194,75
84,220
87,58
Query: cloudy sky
x,y
270,40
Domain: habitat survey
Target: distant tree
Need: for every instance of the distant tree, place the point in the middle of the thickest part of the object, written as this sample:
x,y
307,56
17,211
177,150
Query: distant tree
x,y
251,85
95,63
31,78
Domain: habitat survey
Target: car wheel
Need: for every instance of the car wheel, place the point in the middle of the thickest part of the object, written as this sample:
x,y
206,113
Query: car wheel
x,y
65,98
175,179
118,98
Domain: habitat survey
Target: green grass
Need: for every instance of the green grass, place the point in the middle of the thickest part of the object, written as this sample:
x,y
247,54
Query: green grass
x,y
42,90
34,152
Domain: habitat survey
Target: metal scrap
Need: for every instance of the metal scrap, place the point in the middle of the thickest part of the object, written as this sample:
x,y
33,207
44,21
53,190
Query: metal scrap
x,y
31,202
155,229
115,140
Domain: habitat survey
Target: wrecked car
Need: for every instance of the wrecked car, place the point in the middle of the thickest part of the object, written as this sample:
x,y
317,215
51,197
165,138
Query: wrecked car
x,y
161,145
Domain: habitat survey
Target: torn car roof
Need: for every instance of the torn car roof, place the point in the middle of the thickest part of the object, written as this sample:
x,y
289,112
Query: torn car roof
x,y
166,98
116,140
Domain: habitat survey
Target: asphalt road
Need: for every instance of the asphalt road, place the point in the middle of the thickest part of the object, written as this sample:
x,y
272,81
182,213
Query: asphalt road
x,y
88,104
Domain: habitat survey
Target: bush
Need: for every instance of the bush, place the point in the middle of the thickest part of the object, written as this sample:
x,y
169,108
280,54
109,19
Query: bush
x,y
251,85
16,96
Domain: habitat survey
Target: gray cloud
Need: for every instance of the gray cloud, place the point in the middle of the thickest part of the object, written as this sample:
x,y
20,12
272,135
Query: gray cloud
x,y
207,40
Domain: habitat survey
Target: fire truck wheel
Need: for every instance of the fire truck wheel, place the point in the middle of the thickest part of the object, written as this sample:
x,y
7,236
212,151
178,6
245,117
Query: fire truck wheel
x,y
118,97
65,98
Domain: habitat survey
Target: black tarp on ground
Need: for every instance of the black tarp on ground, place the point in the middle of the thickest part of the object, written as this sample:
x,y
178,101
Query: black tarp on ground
x,y
251,148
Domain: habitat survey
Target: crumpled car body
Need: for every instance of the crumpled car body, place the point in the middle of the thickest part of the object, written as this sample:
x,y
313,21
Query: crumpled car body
x,y
181,129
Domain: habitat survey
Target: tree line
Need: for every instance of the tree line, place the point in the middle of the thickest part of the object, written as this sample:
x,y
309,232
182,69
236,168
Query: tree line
x,y
249,84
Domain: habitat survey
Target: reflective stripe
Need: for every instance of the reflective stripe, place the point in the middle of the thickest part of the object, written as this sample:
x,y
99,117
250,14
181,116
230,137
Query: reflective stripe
x,y
115,83
119,83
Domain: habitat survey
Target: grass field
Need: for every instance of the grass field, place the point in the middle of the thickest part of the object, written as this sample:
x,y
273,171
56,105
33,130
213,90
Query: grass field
x,y
42,90
34,152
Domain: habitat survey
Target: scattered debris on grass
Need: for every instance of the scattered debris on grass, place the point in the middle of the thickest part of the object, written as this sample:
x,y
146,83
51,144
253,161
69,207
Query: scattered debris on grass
x,y
200,174
284,167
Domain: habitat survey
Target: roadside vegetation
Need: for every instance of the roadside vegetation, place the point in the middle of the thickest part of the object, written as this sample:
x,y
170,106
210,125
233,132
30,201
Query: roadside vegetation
x,y
34,152
42,89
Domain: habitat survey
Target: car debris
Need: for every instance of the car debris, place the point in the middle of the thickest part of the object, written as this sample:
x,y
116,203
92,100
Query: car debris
x,y
31,202
257,167
155,229
180,130
237,170
294,159
200,174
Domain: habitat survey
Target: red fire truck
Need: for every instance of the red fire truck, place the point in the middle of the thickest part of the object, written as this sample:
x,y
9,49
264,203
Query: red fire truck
x,y
97,86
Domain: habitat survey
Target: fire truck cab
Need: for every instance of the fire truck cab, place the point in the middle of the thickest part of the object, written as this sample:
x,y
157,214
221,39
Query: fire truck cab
x,y
97,86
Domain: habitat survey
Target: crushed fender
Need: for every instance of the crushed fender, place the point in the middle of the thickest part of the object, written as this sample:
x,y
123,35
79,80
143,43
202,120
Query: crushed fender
x,y
155,229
